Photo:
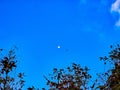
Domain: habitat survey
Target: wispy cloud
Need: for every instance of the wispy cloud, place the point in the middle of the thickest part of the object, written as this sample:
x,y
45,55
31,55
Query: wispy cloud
x,y
118,23
116,8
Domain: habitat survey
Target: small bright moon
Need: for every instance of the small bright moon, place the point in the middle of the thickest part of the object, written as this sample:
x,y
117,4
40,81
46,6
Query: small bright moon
x,y
58,46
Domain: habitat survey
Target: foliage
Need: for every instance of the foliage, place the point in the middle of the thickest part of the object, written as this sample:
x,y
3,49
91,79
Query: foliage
x,y
72,78
8,64
32,88
113,74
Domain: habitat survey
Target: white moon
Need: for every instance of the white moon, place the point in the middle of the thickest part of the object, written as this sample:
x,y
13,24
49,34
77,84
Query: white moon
x,y
58,46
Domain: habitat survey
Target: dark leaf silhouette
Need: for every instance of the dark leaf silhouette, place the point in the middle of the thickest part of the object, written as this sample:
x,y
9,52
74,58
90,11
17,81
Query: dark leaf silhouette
x,y
111,78
7,66
72,78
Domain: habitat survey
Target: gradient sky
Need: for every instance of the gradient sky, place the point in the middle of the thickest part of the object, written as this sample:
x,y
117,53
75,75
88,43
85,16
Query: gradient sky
x,y
84,30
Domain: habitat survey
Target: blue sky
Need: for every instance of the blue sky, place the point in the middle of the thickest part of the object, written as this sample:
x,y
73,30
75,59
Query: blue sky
x,y
86,28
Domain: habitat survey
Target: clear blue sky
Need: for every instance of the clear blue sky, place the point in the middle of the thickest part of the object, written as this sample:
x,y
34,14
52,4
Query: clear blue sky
x,y
85,28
